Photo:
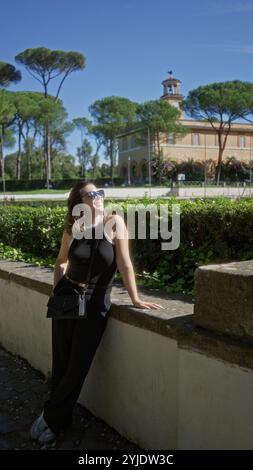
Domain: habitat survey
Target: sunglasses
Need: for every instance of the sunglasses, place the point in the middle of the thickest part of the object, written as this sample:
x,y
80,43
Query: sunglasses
x,y
93,194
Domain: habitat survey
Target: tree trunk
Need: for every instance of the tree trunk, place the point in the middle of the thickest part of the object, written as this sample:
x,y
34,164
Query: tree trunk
x,y
29,158
222,145
84,169
2,156
218,167
49,169
47,155
159,156
45,151
111,159
18,165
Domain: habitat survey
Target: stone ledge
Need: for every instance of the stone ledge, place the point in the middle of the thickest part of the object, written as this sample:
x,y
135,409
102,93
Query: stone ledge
x,y
176,321
176,305
224,300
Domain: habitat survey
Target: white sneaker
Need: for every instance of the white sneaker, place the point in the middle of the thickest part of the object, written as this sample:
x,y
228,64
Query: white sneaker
x,y
38,426
47,436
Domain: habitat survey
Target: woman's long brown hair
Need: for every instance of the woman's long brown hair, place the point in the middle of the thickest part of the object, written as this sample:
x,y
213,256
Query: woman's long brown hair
x,y
75,197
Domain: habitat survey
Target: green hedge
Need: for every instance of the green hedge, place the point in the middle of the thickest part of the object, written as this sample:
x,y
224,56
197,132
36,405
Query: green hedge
x,y
35,203
19,185
212,231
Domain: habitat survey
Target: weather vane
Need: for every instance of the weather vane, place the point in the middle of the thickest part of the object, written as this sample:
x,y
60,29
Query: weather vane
x,y
170,72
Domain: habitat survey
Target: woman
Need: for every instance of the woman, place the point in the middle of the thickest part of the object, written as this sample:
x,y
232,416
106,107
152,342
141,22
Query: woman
x,y
74,342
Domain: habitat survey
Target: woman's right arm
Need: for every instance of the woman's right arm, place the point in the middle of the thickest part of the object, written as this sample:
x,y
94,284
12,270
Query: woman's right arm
x,y
62,258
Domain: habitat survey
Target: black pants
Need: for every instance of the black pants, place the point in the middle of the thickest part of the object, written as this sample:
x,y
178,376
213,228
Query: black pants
x,y
74,343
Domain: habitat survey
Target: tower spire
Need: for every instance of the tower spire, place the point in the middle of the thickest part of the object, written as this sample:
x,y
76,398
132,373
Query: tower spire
x,y
171,90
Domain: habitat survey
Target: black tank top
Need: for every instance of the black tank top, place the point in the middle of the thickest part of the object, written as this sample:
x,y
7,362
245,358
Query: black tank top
x,y
103,269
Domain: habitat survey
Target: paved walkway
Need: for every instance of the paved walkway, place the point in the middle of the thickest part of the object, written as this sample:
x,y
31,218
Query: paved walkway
x,y
182,192
23,391
121,193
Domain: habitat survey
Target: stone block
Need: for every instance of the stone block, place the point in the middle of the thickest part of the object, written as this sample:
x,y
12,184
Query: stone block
x,y
224,298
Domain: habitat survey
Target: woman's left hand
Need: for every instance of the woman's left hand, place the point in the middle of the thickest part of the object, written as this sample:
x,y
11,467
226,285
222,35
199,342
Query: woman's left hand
x,y
148,305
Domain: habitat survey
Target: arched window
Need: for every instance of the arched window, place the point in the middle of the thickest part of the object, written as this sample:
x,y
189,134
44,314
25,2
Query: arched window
x,y
171,138
133,171
242,141
144,172
196,139
124,172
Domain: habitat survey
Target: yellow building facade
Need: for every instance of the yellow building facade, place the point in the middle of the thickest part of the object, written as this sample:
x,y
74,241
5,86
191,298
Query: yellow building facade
x,y
199,144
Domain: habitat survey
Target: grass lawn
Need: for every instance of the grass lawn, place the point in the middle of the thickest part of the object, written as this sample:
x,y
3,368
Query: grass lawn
x,y
37,191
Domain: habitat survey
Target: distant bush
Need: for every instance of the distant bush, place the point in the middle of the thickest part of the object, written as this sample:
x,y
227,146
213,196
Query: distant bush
x,y
22,185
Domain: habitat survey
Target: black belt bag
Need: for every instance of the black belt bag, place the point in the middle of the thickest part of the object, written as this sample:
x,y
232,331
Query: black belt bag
x,y
68,302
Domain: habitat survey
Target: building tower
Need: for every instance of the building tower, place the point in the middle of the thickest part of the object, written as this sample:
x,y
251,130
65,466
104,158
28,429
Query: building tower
x,y
171,91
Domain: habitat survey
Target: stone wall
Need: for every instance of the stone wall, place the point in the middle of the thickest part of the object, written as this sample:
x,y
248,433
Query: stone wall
x,y
178,378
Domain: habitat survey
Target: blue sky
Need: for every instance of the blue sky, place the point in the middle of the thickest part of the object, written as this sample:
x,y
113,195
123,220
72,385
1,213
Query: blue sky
x,y
131,44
